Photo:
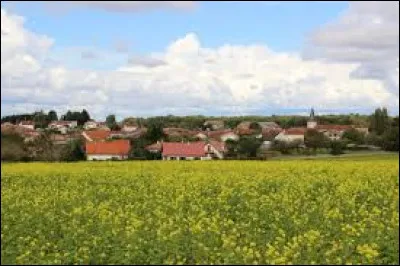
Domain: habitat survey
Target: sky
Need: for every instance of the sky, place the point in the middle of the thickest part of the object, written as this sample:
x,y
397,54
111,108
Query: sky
x,y
147,58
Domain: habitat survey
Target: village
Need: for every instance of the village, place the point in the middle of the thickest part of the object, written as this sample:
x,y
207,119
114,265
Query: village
x,y
210,142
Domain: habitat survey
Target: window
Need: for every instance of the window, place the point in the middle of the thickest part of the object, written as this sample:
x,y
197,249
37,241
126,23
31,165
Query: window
x,y
182,158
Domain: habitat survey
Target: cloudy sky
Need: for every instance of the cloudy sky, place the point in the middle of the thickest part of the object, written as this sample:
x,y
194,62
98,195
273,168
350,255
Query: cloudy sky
x,y
211,58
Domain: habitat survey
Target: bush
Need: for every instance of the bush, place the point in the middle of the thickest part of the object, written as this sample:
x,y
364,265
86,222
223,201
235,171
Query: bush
x,y
336,147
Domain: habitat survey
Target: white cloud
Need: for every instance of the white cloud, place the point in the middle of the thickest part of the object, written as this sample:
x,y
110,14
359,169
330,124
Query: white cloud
x,y
367,34
191,79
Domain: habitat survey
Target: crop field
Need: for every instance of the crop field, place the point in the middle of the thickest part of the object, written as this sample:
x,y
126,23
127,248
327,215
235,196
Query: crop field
x,y
219,212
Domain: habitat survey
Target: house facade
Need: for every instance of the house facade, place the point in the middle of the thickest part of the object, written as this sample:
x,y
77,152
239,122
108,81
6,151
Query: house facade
x,y
63,126
291,134
27,124
107,150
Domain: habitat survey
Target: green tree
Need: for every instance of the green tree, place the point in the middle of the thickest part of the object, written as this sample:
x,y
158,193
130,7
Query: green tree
x,y
41,119
83,117
155,131
379,121
52,115
248,147
73,151
111,122
354,136
314,139
336,147
390,139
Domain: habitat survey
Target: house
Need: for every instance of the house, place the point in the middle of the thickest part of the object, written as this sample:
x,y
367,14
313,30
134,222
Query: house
x,y
125,134
214,124
291,134
333,132
179,132
129,128
27,124
107,150
61,139
190,151
268,125
223,135
155,147
96,135
219,135
91,124
63,126
270,133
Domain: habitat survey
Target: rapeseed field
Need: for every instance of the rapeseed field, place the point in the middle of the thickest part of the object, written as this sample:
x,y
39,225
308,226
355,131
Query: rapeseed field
x,y
218,212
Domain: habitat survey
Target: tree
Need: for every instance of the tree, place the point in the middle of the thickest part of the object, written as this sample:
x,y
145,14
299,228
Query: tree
x,y
379,121
155,131
314,139
336,147
84,117
12,147
111,122
354,136
52,115
248,146
231,146
41,119
390,139
74,151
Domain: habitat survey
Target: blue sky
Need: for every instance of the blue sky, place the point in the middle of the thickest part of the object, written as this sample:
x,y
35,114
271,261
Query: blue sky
x,y
281,26
261,41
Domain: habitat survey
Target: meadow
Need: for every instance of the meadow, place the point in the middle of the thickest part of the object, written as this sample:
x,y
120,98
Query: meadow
x,y
220,212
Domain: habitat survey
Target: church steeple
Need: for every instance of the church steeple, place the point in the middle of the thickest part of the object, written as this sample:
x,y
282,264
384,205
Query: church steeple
x,y
312,116
312,123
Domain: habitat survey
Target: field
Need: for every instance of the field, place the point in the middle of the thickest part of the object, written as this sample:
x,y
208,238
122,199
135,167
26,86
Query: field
x,y
226,212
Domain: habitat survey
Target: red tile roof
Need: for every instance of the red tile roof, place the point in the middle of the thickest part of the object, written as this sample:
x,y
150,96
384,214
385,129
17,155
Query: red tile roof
x,y
98,134
116,147
188,149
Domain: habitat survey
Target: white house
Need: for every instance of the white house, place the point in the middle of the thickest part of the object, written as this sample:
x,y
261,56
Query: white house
x,y
90,125
63,126
291,134
27,124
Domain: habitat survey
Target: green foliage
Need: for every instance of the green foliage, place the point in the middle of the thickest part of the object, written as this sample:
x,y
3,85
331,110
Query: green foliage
x,y
379,121
314,139
111,122
354,136
80,117
390,139
248,147
155,130
52,116
336,147
73,151
13,148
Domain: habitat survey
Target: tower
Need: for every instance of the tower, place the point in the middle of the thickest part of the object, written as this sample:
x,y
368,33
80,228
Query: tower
x,y
312,123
